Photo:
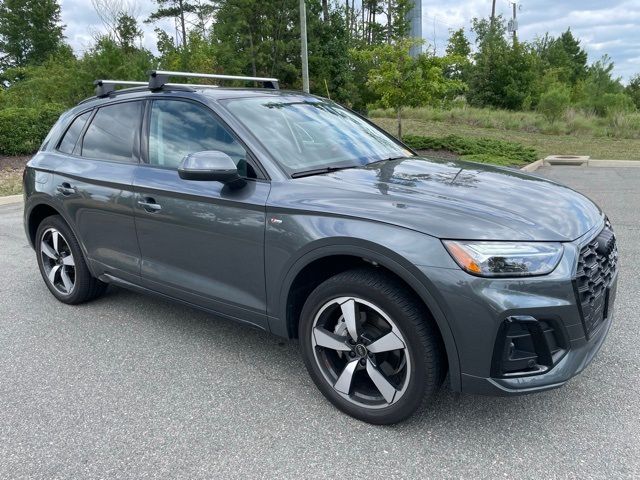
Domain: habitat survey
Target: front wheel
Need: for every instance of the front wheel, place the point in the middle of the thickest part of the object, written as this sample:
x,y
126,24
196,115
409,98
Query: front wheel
x,y
370,347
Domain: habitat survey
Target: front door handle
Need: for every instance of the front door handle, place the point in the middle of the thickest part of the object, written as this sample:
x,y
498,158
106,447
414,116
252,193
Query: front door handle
x,y
150,205
66,189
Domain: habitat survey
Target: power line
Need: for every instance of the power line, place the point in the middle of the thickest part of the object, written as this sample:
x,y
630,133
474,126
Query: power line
x,y
436,19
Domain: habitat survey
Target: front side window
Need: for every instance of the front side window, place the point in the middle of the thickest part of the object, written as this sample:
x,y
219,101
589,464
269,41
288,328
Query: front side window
x,y
305,132
113,132
178,128
68,142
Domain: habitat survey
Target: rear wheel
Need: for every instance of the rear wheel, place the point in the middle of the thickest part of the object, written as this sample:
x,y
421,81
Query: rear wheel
x,y
369,346
62,263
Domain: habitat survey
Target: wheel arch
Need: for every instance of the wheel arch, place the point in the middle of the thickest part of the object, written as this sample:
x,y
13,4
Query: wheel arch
x,y
320,263
37,212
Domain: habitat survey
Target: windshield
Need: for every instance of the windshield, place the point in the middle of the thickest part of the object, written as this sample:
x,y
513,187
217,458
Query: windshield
x,y
307,133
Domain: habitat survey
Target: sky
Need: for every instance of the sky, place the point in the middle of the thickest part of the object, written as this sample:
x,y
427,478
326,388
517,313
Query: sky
x,y
604,26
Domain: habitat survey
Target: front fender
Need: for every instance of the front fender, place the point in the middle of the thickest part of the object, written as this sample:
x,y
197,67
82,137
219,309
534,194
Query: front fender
x,y
397,249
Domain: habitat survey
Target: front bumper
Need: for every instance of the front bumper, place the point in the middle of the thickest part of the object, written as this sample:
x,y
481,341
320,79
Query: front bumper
x,y
477,310
580,353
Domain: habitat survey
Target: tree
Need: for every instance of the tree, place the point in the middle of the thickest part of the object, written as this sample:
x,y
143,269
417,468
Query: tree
x,y
120,19
107,59
330,71
30,31
633,90
261,38
576,54
503,74
598,84
398,79
457,55
458,45
564,55
58,80
554,103
127,32
177,10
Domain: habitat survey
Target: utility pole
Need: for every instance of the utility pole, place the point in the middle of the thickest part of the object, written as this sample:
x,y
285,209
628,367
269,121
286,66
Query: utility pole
x,y
304,53
513,24
493,12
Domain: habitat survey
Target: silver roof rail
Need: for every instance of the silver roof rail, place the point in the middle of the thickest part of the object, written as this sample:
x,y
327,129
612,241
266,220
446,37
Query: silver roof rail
x,y
105,87
159,78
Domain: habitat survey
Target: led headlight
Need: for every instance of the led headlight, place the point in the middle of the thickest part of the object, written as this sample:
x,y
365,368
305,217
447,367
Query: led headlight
x,y
505,259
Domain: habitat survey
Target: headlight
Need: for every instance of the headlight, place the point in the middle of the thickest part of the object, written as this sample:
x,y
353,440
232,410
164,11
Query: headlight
x,y
505,259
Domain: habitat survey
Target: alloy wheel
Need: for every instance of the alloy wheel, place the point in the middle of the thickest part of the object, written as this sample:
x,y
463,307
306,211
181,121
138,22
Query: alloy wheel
x,y
58,262
361,352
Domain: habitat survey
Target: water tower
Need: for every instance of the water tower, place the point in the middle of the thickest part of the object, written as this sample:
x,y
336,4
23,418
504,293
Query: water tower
x,y
415,26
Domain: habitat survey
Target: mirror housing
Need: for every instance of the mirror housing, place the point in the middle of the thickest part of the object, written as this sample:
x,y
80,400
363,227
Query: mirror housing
x,y
211,165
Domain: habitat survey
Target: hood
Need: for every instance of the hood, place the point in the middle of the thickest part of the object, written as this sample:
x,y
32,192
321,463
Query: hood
x,y
456,200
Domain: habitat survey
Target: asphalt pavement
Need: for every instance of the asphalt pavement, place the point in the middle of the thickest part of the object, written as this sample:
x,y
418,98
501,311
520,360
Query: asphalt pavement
x,y
131,386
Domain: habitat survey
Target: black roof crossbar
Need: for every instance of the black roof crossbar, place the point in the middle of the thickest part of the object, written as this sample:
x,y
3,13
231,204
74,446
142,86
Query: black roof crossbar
x,y
105,87
159,78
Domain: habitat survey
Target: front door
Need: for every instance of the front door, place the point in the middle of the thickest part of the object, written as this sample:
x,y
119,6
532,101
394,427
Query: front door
x,y
200,241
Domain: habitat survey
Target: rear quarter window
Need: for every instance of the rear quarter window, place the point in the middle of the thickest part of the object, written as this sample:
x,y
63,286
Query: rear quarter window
x,y
70,138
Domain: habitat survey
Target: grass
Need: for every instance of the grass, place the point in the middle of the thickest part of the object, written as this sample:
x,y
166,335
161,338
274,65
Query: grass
x,y
574,122
604,148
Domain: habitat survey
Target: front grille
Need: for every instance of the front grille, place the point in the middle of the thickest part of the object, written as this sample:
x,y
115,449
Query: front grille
x,y
596,269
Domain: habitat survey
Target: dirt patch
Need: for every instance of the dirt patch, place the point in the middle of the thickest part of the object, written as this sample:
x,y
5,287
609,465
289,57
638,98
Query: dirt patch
x,y
439,154
14,163
11,169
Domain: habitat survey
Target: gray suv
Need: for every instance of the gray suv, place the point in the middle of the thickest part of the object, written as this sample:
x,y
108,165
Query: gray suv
x,y
291,214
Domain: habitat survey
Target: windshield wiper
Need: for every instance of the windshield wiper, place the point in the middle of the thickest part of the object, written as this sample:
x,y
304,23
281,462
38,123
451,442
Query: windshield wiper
x,y
388,159
320,171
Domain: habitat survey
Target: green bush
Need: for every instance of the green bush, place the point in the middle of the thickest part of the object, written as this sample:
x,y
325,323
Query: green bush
x,y
554,103
22,130
485,150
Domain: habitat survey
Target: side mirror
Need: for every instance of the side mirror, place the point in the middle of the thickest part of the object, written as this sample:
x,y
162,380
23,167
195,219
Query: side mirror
x,y
213,166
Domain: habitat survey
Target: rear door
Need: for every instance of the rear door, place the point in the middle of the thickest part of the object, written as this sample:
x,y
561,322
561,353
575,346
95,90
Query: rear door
x,y
94,184
200,241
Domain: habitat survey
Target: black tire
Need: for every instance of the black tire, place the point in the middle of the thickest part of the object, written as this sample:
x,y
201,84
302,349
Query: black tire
x,y
422,342
85,286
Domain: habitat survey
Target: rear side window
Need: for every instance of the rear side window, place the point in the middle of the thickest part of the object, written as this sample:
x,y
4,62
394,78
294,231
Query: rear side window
x,y
113,132
68,142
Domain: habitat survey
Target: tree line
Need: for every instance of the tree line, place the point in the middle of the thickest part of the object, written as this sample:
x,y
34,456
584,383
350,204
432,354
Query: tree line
x,y
358,56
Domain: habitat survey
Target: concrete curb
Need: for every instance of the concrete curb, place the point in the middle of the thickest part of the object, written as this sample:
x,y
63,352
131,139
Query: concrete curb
x,y
614,163
11,199
532,167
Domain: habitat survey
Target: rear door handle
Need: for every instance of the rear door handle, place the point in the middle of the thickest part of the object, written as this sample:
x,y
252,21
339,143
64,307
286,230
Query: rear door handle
x,y
150,205
66,189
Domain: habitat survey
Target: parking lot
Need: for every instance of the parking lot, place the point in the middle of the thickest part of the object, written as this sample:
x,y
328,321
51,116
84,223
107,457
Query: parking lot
x,y
131,386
